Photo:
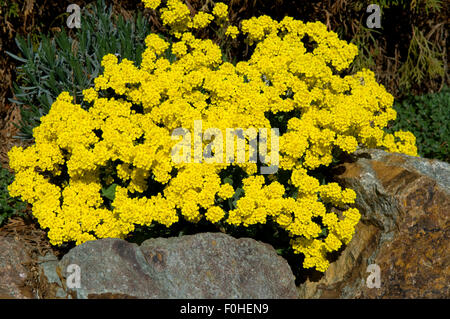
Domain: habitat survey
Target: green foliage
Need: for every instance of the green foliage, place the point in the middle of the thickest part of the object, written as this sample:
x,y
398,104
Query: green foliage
x,y
9,9
368,48
424,60
109,192
70,63
428,117
8,206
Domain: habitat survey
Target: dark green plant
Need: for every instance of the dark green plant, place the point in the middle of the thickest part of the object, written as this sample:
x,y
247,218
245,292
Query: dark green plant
x,y
369,50
428,117
424,61
9,8
8,206
71,62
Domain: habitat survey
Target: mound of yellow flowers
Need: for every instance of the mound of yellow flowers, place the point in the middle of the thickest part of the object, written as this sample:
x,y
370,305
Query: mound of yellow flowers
x,y
124,139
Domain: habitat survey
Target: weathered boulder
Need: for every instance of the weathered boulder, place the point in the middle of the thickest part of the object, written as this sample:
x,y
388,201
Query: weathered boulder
x,y
109,268
206,265
13,273
404,229
215,265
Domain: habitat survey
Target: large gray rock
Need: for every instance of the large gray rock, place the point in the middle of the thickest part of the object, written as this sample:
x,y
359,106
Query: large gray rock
x,y
215,265
110,268
206,265
404,229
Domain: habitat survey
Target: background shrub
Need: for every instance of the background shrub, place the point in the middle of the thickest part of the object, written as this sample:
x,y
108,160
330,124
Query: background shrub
x,y
408,54
428,117
8,206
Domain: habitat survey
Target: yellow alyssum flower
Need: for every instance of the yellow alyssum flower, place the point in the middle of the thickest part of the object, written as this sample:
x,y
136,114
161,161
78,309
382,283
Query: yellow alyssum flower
x,y
232,31
220,10
99,172
201,20
152,4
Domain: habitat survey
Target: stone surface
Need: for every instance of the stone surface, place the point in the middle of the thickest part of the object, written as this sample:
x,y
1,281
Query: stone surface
x,y
404,229
215,265
51,285
206,265
110,268
13,273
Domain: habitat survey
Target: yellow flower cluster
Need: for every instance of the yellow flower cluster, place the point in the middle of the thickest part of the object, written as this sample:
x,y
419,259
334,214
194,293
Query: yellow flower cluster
x,y
177,16
201,20
152,4
220,10
232,31
126,139
258,28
